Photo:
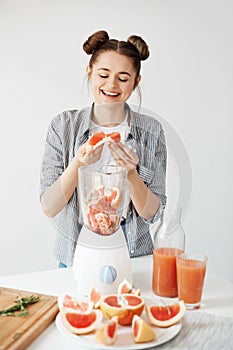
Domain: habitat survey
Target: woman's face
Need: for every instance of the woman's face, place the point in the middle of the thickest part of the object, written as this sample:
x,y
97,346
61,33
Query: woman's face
x,y
112,78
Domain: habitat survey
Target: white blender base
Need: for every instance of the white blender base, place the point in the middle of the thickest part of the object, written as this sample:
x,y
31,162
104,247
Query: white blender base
x,y
101,261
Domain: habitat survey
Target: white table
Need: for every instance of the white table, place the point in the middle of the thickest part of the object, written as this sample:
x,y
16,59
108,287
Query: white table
x,y
217,299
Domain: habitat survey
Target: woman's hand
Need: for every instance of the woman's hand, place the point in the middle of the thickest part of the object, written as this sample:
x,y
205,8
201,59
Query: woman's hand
x,y
87,155
145,202
123,155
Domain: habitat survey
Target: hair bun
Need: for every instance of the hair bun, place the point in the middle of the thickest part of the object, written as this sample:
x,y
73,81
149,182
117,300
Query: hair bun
x,y
141,46
94,41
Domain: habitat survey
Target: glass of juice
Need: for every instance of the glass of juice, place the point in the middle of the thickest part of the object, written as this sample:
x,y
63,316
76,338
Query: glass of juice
x,y
164,281
191,269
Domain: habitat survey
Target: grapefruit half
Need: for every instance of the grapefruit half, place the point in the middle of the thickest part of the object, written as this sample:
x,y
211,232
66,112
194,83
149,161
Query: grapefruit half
x,y
124,306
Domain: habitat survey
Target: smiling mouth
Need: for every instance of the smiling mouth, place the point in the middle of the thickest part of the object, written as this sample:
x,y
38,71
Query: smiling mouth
x,y
110,93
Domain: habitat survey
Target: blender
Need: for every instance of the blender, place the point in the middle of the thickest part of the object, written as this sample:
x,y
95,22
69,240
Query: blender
x,y
101,257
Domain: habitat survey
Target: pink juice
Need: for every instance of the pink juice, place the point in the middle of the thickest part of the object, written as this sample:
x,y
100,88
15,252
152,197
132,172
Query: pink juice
x,y
164,271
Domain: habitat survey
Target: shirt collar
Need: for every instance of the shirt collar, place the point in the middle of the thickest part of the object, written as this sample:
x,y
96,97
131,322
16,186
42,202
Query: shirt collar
x,y
86,120
133,120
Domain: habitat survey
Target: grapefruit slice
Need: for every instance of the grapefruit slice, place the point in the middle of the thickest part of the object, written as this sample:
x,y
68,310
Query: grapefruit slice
x,y
96,138
113,199
95,297
116,136
126,288
107,334
66,301
124,306
102,208
165,315
102,223
81,323
92,219
105,224
116,197
142,331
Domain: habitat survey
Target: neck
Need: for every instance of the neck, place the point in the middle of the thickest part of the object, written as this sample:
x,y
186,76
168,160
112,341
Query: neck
x,y
109,115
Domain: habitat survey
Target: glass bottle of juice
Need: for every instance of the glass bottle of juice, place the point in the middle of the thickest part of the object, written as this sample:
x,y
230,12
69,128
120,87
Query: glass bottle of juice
x,y
169,241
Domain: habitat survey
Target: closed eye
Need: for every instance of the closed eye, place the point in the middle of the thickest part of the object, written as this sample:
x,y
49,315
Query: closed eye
x,y
124,80
103,76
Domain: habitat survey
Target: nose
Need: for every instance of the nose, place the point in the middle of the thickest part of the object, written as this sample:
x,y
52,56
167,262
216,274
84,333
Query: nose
x,y
112,82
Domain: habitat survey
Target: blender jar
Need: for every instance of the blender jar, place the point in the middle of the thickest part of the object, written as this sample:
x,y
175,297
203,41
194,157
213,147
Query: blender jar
x,y
102,197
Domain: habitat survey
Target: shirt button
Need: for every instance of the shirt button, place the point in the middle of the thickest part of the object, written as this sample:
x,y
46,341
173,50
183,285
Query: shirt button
x,y
132,251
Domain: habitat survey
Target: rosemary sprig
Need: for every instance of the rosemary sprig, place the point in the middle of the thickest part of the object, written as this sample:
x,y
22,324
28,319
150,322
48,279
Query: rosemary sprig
x,y
21,305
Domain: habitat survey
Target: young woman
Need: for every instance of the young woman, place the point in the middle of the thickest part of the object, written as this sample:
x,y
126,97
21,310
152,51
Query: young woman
x,y
113,73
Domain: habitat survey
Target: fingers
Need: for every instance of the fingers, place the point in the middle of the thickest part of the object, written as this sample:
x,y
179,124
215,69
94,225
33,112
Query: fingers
x,y
123,155
98,148
93,155
123,151
89,155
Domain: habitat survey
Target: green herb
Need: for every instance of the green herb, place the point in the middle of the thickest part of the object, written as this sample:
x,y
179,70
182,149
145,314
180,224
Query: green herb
x,y
21,305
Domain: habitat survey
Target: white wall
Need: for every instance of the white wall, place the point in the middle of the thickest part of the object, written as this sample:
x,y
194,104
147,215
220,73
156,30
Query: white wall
x,y
188,80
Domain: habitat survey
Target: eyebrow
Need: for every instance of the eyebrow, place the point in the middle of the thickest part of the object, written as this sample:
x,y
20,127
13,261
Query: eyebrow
x,y
108,70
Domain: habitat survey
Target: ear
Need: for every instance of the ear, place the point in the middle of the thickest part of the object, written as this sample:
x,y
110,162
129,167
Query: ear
x,y
88,70
137,81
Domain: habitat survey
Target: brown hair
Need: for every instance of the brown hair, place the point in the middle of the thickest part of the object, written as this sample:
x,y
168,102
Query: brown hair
x,y
135,48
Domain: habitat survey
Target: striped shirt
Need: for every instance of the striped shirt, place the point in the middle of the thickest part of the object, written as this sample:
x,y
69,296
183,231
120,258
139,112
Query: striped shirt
x,y
66,133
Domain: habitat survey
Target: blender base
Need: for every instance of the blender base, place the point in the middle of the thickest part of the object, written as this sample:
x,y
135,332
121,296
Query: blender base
x,y
101,261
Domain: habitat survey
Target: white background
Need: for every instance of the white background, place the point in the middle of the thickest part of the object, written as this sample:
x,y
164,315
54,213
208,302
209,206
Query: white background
x,y
187,79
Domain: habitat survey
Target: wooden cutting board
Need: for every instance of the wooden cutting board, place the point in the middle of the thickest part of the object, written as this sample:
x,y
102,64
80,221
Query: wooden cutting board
x,y
16,333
